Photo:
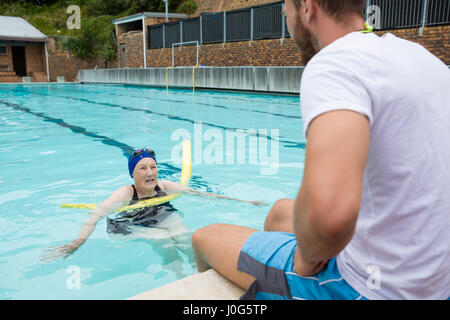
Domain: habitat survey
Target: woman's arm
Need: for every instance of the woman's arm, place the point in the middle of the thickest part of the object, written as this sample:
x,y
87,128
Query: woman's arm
x,y
117,199
173,187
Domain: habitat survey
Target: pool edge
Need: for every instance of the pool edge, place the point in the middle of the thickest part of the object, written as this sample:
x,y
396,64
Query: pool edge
x,y
208,285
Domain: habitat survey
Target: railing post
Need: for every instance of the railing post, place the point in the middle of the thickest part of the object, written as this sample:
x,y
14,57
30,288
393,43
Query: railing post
x,y
368,3
181,33
283,24
424,17
251,27
224,28
164,36
201,29
144,41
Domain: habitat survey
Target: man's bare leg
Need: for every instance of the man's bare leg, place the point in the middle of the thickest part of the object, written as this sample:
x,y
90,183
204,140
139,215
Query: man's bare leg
x,y
218,246
280,216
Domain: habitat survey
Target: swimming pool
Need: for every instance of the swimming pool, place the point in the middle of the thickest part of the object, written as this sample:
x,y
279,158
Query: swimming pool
x,y
68,143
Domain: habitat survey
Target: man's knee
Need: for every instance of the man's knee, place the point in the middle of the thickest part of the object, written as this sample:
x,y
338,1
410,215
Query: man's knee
x,y
279,215
202,235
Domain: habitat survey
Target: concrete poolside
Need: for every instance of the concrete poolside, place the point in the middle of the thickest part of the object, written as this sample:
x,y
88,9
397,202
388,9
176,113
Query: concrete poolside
x,y
208,285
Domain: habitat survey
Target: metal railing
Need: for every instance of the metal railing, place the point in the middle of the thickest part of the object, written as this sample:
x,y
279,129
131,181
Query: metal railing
x,y
268,22
399,14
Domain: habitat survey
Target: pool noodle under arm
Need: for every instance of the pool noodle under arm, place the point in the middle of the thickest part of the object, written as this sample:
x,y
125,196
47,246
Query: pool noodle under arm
x,y
186,169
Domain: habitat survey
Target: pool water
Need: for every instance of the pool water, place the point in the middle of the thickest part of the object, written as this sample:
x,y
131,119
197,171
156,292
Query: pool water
x,y
69,143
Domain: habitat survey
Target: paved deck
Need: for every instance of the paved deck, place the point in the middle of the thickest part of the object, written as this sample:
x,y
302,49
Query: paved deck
x,y
209,285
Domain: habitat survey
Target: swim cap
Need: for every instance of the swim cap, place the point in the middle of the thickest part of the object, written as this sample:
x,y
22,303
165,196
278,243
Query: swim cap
x,y
137,156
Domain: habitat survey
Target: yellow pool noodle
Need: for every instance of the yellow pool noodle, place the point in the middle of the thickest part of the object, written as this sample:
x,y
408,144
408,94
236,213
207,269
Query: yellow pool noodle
x,y
186,169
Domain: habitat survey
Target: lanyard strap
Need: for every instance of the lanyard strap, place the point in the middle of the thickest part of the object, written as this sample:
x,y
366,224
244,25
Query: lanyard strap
x,y
367,28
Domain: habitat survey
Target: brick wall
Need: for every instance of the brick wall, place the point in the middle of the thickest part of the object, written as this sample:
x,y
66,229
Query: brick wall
x,y
64,63
261,53
35,61
273,53
134,56
6,59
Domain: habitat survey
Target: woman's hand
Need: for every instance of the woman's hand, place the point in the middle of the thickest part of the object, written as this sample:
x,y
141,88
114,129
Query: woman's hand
x,y
304,268
258,203
54,253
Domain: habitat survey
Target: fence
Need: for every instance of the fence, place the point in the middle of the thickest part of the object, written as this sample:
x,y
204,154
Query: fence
x,y
268,22
388,14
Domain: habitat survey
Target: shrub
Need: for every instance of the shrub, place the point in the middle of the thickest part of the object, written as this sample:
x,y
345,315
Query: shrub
x,y
187,7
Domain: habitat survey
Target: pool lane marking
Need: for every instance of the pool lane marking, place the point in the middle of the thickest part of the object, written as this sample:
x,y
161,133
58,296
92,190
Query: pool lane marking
x,y
218,91
204,104
300,145
126,149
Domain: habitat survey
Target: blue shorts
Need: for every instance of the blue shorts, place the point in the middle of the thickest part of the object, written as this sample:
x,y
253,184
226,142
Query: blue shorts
x,y
268,257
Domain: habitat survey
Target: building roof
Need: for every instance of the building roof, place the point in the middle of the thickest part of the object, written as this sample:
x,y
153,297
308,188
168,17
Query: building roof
x,y
139,16
18,29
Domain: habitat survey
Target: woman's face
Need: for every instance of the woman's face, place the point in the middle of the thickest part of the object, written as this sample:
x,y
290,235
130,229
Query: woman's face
x,y
145,174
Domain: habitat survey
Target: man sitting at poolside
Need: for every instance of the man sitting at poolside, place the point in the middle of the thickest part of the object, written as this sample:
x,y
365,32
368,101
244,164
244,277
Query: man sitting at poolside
x,y
371,218
162,221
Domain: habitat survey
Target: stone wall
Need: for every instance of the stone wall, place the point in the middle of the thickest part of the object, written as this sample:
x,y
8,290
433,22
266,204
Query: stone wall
x,y
63,63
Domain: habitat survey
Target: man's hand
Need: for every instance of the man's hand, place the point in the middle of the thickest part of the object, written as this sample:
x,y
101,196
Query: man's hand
x,y
304,268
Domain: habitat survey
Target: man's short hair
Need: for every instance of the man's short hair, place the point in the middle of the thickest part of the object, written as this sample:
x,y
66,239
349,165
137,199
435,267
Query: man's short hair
x,y
339,9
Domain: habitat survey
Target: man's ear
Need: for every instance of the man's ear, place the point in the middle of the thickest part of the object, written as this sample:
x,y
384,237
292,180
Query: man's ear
x,y
308,9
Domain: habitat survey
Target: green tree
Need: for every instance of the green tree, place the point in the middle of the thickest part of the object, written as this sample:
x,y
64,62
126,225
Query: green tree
x,y
94,39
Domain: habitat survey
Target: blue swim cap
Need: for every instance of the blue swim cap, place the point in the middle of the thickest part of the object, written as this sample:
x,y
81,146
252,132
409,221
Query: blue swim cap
x,y
137,156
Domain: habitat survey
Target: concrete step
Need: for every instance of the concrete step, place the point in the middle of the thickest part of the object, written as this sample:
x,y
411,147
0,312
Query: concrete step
x,y
10,79
208,285
38,77
7,73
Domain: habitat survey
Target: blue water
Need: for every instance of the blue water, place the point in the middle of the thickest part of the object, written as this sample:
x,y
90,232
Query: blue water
x,y
68,143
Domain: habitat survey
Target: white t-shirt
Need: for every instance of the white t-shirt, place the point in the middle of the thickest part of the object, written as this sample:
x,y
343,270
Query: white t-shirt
x,y
400,249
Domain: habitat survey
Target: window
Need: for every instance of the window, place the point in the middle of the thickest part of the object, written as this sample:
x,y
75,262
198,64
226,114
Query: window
x,y
3,48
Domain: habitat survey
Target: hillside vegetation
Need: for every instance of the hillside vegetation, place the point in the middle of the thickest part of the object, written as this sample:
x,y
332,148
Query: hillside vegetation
x,y
96,37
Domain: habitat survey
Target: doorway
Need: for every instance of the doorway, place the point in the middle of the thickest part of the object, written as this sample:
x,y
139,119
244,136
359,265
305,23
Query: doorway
x,y
19,61
123,57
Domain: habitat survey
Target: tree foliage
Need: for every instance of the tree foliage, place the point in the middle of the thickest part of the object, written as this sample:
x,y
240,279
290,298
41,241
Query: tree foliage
x,y
96,38
187,7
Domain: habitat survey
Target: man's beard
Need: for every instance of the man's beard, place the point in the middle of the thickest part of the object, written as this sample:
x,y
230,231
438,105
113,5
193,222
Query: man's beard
x,y
303,40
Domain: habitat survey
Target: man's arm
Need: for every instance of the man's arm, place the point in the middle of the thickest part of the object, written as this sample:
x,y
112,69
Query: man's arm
x,y
328,202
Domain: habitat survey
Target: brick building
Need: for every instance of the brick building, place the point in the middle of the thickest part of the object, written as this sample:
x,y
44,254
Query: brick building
x,y
263,52
133,50
132,37
22,51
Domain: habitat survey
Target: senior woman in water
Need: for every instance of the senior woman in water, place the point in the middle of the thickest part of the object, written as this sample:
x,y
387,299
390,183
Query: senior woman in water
x,y
163,219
